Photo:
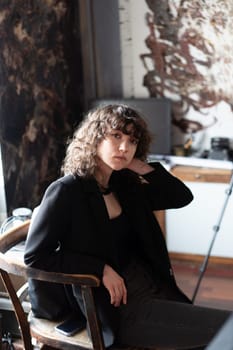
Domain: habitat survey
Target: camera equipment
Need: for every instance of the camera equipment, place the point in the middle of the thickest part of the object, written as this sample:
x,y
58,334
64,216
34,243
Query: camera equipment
x,y
220,148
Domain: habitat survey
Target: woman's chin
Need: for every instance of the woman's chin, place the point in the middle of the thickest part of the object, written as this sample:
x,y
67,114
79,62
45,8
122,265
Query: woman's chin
x,y
117,168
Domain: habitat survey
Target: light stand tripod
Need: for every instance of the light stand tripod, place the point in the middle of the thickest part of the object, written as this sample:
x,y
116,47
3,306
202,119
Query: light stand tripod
x,y
216,228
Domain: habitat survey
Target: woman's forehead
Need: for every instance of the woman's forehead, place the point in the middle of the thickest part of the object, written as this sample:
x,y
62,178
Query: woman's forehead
x,y
126,128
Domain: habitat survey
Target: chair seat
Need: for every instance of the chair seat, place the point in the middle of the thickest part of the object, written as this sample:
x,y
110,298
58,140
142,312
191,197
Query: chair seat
x,y
45,329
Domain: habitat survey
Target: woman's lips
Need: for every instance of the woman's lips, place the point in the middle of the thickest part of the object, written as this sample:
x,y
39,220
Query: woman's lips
x,y
120,158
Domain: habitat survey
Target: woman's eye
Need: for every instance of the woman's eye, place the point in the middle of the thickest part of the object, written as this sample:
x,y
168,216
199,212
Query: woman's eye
x,y
116,135
134,141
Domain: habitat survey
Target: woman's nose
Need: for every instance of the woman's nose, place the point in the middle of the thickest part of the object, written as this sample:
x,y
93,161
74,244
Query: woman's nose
x,y
123,146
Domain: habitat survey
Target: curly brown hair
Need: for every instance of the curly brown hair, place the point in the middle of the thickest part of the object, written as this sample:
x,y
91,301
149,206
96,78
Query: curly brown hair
x,y
80,156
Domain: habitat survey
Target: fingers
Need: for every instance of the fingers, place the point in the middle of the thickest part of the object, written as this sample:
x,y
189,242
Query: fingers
x,y
115,285
118,294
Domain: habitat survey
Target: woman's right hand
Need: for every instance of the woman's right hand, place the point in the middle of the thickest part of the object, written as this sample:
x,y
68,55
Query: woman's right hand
x,y
115,285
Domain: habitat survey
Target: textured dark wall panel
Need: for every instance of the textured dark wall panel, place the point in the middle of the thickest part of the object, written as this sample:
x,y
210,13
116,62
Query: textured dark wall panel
x,y
40,90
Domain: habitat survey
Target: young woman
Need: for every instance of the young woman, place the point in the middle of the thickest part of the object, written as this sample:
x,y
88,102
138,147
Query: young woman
x,y
98,218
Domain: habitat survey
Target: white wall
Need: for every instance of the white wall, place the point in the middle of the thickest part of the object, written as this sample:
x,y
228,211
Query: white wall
x,y
191,229
133,33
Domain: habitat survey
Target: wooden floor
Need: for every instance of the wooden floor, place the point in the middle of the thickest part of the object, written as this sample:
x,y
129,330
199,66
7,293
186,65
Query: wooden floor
x,y
216,287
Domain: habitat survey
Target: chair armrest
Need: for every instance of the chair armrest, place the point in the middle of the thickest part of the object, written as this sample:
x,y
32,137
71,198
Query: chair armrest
x,y
13,236
13,266
12,261
65,278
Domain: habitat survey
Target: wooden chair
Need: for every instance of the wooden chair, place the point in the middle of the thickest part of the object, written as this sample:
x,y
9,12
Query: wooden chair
x,y
41,330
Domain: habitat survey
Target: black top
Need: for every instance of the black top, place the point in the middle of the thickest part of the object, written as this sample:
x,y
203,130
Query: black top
x,y
122,240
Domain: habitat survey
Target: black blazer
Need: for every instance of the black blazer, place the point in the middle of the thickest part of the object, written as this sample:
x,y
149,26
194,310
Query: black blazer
x,y
71,230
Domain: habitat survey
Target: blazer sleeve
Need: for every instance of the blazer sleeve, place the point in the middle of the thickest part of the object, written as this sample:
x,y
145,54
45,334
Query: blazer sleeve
x,y
164,190
48,231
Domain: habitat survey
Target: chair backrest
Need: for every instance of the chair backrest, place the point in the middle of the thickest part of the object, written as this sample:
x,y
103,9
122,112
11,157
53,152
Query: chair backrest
x,y
12,264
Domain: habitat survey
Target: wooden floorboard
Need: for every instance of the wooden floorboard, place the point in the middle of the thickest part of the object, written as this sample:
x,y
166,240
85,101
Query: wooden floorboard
x,y
216,287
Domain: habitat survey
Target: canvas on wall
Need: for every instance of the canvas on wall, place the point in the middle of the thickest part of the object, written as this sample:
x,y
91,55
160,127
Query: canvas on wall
x,y
182,50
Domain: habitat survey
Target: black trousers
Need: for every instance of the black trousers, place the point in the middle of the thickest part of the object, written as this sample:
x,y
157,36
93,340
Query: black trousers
x,y
149,320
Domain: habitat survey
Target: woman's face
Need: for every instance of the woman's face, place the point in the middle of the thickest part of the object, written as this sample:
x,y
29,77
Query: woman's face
x,y
117,149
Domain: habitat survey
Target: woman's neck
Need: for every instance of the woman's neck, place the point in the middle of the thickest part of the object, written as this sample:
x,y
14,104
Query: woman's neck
x,y
102,179
102,176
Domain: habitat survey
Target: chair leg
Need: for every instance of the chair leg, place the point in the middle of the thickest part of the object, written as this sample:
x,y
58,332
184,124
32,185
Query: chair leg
x,y
19,311
93,320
